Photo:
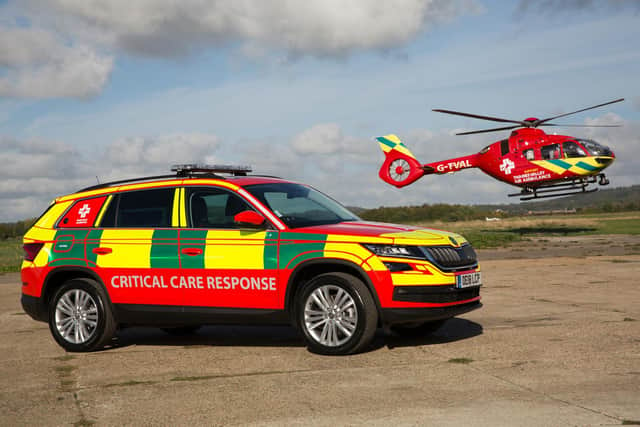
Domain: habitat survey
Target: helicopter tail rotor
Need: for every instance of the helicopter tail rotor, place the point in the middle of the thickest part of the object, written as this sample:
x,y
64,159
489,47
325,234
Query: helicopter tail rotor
x,y
400,166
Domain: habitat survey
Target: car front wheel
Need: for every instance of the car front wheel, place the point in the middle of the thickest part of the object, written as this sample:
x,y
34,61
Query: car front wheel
x,y
336,314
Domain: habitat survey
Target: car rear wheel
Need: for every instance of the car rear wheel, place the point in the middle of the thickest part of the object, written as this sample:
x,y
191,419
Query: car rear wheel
x,y
336,314
80,317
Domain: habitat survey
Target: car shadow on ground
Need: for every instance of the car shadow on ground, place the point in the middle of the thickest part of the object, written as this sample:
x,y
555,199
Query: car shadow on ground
x,y
455,329
282,336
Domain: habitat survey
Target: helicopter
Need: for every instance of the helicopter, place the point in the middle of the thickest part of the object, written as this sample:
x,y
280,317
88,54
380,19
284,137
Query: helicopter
x,y
542,165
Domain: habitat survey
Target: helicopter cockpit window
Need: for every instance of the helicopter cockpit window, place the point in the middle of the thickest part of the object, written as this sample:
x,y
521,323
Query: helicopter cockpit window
x,y
528,154
572,149
594,148
550,152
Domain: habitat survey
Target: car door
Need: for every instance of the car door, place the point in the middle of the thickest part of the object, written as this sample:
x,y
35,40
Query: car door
x,y
137,256
224,264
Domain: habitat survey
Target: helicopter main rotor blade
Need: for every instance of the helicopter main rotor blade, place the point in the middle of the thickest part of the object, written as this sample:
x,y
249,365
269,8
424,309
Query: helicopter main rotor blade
x,y
582,126
488,130
539,122
476,116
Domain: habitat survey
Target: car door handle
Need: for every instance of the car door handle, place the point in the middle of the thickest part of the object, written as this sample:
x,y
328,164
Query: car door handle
x,y
192,251
102,251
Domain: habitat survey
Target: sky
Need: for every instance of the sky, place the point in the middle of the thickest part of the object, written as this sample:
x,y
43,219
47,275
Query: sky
x,y
96,90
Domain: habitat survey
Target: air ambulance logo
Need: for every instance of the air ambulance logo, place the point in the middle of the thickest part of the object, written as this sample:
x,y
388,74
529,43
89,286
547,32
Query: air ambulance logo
x,y
82,214
506,166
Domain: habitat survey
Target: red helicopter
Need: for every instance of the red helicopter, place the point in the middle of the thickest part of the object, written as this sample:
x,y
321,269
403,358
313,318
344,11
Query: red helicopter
x,y
542,165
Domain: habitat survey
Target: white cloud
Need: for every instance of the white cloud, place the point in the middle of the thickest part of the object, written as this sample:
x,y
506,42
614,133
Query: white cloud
x,y
38,64
67,48
35,171
314,27
151,152
326,138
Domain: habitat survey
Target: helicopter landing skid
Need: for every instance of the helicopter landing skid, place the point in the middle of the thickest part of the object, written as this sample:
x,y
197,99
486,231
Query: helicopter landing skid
x,y
575,186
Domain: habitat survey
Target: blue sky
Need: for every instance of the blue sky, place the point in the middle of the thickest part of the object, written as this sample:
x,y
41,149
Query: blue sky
x,y
116,88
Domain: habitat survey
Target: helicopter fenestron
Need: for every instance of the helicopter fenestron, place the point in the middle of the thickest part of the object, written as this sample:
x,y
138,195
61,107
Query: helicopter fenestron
x,y
542,165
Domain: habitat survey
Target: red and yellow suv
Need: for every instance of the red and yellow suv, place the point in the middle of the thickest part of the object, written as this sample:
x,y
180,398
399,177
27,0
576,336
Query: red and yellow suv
x,y
198,247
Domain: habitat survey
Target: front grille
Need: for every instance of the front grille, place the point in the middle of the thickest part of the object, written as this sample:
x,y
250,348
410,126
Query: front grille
x,y
434,294
450,259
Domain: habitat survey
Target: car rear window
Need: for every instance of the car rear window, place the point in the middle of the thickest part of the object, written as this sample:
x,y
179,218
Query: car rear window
x,y
144,208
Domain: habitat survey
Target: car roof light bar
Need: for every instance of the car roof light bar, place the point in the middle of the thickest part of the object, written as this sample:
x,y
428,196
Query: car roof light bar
x,y
192,169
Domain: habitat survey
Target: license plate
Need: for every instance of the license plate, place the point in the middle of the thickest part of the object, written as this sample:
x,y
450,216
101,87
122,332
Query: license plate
x,y
468,280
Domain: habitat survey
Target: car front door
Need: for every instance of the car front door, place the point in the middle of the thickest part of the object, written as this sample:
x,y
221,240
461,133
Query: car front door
x,y
224,264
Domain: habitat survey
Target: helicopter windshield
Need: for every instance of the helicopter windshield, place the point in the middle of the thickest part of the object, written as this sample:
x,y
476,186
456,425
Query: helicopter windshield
x,y
572,149
594,148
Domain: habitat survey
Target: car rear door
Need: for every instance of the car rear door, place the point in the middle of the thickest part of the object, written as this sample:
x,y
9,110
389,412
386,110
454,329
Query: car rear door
x,y
138,250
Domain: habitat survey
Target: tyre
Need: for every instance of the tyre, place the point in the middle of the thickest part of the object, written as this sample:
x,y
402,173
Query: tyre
x,y
182,330
80,317
414,330
336,314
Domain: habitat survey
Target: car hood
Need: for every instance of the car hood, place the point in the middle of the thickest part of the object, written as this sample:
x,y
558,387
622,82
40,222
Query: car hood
x,y
379,232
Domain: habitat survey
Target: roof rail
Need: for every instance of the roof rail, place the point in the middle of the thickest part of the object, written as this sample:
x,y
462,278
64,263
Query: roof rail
x,y
193,169
181,171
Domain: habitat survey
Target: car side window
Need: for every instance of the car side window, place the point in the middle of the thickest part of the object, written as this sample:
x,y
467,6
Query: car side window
x,y
144,208
214,208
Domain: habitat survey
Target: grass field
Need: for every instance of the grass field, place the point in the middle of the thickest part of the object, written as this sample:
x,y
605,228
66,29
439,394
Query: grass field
x,y
10,255
490,234
482,234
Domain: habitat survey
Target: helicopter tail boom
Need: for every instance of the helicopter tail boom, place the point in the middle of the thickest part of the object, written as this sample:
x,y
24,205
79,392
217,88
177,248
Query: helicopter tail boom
x,y
454,165
400,166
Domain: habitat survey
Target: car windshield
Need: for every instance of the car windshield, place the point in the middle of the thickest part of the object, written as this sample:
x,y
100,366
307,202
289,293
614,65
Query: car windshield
x,y
300,206
594,148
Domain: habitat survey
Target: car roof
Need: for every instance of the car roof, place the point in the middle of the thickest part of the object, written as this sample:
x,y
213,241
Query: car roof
x,y
232,183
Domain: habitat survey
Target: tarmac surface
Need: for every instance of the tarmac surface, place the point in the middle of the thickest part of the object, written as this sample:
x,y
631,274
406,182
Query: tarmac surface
x,y
556,343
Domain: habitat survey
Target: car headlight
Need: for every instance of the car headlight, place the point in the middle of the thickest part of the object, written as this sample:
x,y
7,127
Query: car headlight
x,y
398,251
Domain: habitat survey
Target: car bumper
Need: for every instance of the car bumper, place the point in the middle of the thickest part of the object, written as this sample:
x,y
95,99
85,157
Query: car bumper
x,y
33,307
398,316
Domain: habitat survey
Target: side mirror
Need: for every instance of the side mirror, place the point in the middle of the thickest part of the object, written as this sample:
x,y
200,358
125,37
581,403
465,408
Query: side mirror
x,y
250,219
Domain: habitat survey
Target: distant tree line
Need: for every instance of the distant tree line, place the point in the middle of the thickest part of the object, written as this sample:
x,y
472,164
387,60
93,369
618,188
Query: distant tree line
x,y
452,213
618,206
622,199
436,212
10,230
